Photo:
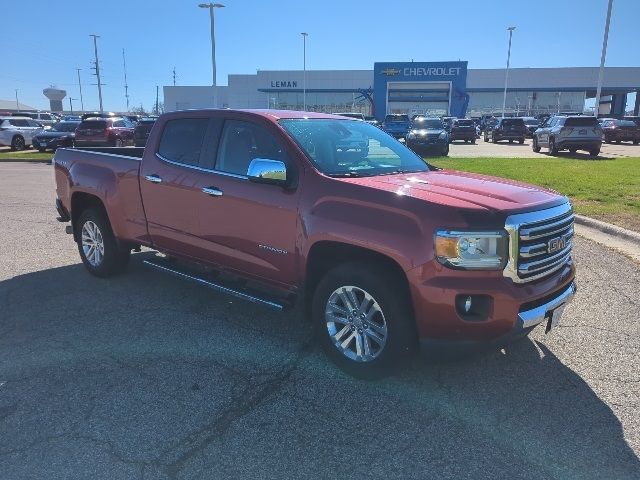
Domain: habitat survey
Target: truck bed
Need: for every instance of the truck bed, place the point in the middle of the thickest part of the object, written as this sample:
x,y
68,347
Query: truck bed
x,y
111,175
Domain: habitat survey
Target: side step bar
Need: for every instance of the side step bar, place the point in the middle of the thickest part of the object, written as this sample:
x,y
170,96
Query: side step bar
x,y
245,295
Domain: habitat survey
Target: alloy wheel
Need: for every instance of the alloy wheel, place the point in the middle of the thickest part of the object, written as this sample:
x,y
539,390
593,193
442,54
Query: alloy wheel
x,y
92,243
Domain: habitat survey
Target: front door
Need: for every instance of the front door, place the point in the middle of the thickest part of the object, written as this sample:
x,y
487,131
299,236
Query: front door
x,y
249,227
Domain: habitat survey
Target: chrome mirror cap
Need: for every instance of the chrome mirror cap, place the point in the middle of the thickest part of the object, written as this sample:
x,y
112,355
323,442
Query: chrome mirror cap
x,y
263,170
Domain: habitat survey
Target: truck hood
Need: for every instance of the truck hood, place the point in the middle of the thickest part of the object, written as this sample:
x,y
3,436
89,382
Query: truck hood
x,y
463,190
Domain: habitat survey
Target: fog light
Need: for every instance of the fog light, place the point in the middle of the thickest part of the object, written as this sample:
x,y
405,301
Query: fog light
x,y
467,305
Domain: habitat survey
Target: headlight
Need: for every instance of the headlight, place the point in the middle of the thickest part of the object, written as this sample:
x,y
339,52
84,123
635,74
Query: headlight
x,y
471,250
443,135
411,135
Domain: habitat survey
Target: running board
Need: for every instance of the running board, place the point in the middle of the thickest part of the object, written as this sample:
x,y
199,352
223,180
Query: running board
x,y
244,295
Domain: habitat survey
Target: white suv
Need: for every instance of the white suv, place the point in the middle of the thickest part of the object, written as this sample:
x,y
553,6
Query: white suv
x,y
18,132
46,119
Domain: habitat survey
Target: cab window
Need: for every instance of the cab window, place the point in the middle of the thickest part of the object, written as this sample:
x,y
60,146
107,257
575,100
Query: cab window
x,y
182,140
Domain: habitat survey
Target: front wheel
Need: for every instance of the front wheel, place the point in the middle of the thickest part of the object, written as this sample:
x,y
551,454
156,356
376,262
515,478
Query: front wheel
x,y
362,320
534,145
445,151
98,248
594,152
553,150
521,141
42,150
17,143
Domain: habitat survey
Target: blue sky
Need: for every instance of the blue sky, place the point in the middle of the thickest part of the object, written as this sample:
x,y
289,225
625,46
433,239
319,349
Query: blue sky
x,y
47,40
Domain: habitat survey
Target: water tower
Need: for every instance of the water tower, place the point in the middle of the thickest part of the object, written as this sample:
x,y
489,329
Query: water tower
x,y
55,97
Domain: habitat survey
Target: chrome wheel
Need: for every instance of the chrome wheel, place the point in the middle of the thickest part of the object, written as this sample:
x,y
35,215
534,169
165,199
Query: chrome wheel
x,y
356,324
92,243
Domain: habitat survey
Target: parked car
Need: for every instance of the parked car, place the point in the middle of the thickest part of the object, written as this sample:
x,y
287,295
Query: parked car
x,y
71,118
142,129
383,251
44,118
18,132
428,135
62,134
506,129
133,118
98,115
104,132
447,122
532,124
462,129
396,125
635,120
614,130
573,133
354,115
372,121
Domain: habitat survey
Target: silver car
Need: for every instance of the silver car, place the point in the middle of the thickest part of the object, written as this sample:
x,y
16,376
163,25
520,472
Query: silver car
x,y
18,132
573,133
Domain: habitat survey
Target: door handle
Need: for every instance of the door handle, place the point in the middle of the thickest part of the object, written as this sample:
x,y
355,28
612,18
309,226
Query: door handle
x,y
212,191
153,178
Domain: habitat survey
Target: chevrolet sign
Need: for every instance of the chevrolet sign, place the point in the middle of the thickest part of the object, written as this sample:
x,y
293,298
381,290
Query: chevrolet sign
x,y
389,72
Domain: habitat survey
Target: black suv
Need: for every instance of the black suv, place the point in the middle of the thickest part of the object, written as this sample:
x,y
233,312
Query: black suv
x,y
462,129
428,134
506,129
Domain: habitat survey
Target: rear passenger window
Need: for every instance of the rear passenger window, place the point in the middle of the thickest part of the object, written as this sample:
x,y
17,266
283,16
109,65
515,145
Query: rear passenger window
x,y
182,140
241,142
19,123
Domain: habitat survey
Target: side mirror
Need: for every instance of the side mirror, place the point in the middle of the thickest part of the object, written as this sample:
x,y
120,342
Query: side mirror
x,y
263,170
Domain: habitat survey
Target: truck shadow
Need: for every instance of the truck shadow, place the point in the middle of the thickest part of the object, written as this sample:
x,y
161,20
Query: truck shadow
x,y
521,410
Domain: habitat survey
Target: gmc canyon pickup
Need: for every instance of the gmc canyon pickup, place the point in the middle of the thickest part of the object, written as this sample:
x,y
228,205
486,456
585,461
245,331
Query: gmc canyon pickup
x,y
382,251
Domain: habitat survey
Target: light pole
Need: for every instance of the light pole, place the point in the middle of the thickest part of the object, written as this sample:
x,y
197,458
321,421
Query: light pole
x,y
71,104
506,73
602,58
211,6
97,68
17,102
304,70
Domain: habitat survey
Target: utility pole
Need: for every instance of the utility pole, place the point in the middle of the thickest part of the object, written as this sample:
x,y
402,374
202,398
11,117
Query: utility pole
x,y
80,85
157,106
603,56
174,76
97,68
211,7
126,86
71,104
17,102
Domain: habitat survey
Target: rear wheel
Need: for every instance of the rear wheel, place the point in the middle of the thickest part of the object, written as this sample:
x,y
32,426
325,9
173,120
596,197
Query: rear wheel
x,y
17,143
42,150
573,150
362,320
98,248
473,141
494,139
534,145
521,141
445,151
594,152
553,150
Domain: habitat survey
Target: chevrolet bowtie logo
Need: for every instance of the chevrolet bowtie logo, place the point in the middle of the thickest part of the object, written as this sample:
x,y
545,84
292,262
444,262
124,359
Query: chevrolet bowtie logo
x,y
390,72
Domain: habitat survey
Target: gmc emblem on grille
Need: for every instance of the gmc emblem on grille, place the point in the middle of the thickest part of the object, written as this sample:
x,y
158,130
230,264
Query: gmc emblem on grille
x,y
556,244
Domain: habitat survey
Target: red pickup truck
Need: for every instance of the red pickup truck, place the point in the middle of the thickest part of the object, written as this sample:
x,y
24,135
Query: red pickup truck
x,y
382,251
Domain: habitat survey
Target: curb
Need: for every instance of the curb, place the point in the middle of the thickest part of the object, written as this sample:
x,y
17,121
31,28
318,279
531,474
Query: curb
x,y
608,228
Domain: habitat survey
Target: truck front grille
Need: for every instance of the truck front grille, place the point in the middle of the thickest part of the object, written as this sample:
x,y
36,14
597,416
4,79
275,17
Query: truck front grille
x,y
540,243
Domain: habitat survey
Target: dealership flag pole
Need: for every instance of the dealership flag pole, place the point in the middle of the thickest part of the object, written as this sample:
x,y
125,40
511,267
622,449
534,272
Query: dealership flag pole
x,y
506,73
596,110
304,70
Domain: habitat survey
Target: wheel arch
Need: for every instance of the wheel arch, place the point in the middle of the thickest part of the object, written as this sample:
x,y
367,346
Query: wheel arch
x,y
326,254
81,201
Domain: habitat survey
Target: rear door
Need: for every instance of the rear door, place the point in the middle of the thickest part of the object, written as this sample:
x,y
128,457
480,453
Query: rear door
x,y
171,183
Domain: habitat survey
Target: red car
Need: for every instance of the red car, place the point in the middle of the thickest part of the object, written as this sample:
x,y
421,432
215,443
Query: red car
x,y
104,132
381,250
615,130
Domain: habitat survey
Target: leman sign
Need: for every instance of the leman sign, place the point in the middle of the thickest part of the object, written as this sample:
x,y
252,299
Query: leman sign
x,y
284,84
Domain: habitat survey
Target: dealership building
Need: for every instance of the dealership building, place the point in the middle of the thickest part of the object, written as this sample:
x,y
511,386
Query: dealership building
x,y
432,88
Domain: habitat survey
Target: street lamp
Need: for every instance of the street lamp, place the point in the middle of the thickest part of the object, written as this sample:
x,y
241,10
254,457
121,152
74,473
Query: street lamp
x,y
71,104
211,6
506,73
603,56
304,70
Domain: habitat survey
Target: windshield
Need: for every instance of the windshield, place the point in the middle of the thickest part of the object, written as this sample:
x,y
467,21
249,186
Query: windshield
x,y
463,123
625,123
349,148
430,124
396,118
512,122
531,122
65,127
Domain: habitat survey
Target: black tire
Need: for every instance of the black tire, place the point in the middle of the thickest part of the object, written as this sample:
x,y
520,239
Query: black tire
x,y
494,139
573,150
594,152
534,145
17,143
401,336
445,151
521,141
635,142
42,150
114,258
607,140
510,141
553,150
486,137
618,141
473,142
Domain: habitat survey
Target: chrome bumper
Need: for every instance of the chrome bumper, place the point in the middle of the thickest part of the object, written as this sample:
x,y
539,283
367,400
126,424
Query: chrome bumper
x,y
530,318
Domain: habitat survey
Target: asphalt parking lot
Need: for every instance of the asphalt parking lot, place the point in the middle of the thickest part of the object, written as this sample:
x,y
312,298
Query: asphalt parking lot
x,y
143,376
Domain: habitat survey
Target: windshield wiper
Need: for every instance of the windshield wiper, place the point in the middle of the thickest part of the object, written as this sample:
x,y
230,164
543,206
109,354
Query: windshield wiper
x,y
345,174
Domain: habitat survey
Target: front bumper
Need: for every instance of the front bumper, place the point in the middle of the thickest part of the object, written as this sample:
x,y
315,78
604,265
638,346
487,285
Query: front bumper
x,y
462,136
513,307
